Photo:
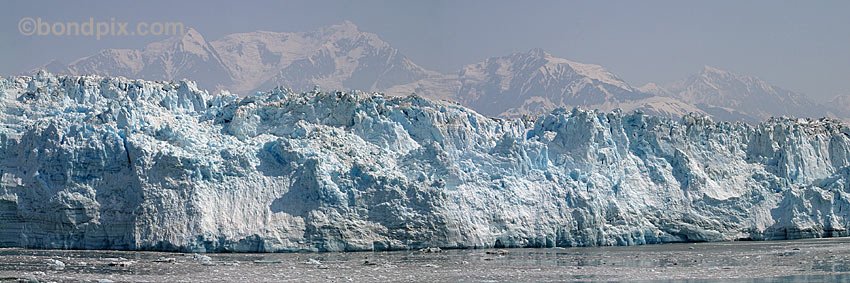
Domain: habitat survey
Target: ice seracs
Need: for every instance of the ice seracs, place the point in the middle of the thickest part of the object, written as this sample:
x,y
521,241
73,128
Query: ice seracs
x,y
113,163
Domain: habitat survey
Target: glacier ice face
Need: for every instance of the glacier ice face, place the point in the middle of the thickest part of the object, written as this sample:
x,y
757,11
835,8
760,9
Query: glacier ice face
x,y
113,163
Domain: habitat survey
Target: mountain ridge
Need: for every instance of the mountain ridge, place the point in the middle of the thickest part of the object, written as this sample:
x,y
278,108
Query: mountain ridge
x,y
740,96
342,56
246,62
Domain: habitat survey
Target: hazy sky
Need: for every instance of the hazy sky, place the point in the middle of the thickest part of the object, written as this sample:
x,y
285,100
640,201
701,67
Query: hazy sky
x,y
801,45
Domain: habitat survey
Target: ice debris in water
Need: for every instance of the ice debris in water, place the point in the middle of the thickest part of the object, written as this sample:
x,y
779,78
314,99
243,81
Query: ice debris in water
x,y
112,163
55,264
203,259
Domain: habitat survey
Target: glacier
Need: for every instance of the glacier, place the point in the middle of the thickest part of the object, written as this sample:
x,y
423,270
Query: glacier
x,y
91,162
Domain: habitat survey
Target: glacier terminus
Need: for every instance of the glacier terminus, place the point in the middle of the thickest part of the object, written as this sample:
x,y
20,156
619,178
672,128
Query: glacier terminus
x,y
90,162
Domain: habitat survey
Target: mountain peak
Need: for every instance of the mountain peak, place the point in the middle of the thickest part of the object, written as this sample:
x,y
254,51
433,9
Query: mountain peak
x,y
714,74
713,70
538,52
654,88
55,66
841,99
733,96
591,71
191,41
710,73
344,27
192,34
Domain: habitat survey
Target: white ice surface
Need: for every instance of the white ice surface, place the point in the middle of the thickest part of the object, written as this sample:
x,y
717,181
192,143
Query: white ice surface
x,y
114,163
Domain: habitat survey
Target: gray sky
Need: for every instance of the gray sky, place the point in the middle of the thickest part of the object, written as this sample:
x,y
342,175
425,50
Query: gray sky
x,y
801,45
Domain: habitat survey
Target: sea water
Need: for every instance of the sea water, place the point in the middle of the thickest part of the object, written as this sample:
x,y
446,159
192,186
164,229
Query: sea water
x,y
772,261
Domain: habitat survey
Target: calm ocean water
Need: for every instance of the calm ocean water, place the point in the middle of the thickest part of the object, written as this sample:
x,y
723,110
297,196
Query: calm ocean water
x,y
777,261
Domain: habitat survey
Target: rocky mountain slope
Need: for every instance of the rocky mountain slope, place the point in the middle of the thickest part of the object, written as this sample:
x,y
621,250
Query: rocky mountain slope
x,y
113,163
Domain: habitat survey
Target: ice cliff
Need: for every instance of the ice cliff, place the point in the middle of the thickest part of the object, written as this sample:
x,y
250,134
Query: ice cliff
x,y
114,163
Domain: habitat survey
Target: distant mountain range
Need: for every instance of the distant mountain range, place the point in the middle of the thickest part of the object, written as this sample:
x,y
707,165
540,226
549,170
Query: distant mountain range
x,y
338,57
343,57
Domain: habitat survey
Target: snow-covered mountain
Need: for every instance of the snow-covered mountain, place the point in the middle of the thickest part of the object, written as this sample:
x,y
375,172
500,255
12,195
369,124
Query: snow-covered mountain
x,y
186,56
524,83
734,97
839,106
339,56
113,163
343,57
536,79
336,57
536,82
